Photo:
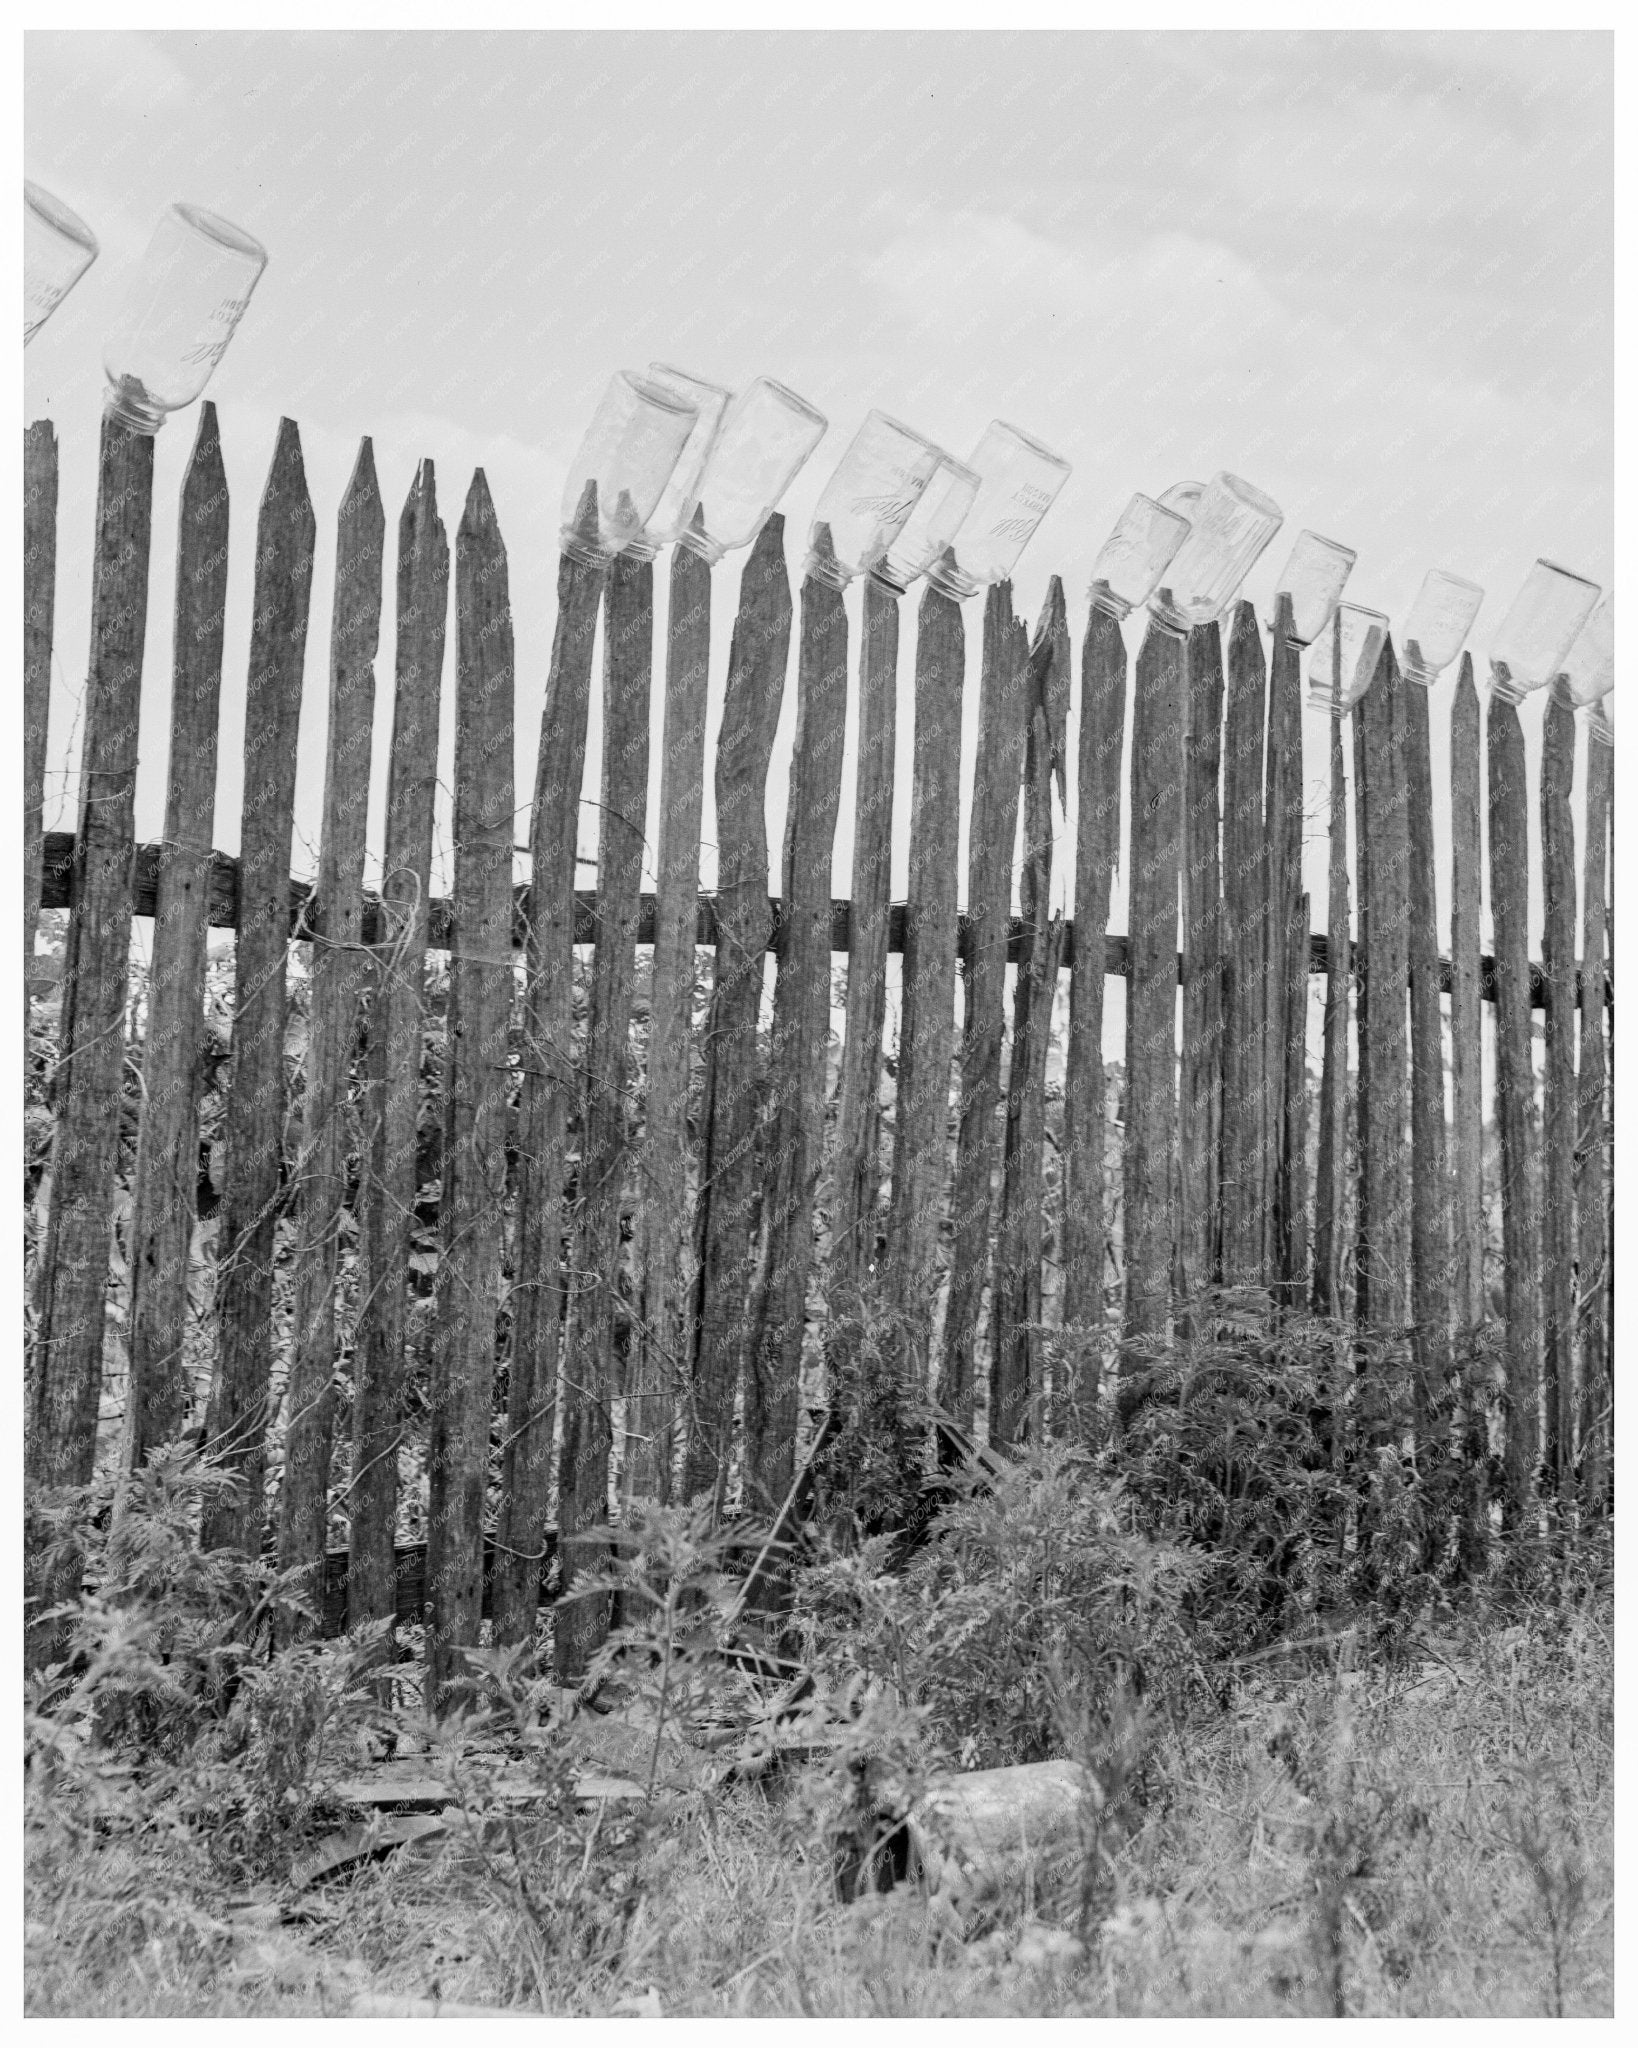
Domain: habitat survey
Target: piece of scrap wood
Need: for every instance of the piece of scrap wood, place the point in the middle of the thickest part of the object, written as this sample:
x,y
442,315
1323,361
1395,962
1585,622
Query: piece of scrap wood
x,y
353,1845
406,1792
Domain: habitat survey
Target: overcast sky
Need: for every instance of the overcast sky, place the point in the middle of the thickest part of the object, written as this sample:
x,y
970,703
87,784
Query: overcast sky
x,y
1370,273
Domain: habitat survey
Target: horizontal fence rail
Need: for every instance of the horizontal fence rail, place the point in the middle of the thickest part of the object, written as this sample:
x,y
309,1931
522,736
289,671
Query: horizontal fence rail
x,y
307,917
451,1269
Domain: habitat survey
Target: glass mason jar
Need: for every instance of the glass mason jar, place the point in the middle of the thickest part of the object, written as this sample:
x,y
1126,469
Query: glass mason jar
x,y
1551,608
941,507
1589,667
1439,623
1019,479
766,435
633,444
189,294
1343,658
1231,522
1136,555
677,500
871,493
58,249
1313,578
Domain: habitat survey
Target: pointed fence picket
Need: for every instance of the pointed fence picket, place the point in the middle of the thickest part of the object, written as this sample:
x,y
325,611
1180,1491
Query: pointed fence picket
x,y
336,921
164,1197
240,1406
389,1143
472,1210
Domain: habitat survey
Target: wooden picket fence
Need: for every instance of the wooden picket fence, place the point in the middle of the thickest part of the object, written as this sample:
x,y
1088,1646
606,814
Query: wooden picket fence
x,y
689,1334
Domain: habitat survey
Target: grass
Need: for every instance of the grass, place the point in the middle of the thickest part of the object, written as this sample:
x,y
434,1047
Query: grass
x,y
1434,1838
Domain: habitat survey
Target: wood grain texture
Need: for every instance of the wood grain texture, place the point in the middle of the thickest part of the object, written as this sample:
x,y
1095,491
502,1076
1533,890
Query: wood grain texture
x,y
392,1091
1509,808
1245,1221
1200,1084
1467,1219
473,1196
1383,1292
237,1416
921,1109
1285,1027
662,1340
329,1133
801,1032
1330,1172
163,1198
1018,1390
39,618
1467,1214
727,1216
549,1097
1431,1305
597,1304
1097,850
1003,713
857,1222
65,1386
1558,1135
1593,1261
1294,1125
1151,998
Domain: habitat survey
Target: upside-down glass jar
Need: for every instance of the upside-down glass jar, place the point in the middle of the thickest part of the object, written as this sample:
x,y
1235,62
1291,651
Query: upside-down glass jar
x,y
58,249
1018,480
871,493
1343,658
766,435
1439,623
189,294
1231,522
1136,555
941,507
1589,667
676,507
1313,578
1551,608
633,444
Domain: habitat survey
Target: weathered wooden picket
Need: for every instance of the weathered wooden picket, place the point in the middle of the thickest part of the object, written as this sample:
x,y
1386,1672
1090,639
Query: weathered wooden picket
x,y
575,1364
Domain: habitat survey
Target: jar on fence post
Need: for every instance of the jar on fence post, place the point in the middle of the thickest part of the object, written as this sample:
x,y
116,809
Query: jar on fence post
x,y
634,442
1344,656
1019,478
766,435
1439,623
1230,524
1589,667
58,249
943,504
676,507
871,493
1551,608
189,294
1313,578
1136,555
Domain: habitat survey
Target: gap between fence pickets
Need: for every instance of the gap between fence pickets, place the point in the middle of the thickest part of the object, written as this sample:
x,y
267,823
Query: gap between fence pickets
x,y
224,897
